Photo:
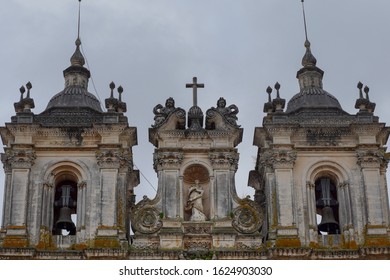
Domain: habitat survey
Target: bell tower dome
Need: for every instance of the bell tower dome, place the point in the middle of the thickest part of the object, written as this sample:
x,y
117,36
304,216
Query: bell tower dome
x,y
69,169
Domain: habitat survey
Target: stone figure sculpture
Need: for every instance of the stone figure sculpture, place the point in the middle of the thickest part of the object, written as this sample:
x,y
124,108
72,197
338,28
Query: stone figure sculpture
x,y
161,113
194,202
228,113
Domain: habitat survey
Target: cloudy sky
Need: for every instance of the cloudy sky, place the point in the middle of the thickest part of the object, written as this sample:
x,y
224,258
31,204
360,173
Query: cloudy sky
x,y
154,47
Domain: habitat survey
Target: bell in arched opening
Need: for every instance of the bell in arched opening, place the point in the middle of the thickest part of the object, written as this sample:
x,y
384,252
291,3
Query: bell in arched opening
x,y
327,206
64,206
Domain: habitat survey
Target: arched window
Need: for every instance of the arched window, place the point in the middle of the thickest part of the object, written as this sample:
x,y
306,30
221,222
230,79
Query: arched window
x,y
327,205
65,208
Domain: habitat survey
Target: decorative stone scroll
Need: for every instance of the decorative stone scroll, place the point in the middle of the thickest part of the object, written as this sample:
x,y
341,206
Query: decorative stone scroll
x,y
229,114
145,218
162,114
248,217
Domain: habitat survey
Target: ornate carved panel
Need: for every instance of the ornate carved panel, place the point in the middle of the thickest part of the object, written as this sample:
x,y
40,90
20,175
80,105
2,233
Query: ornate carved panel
x,y
278,158
114,158
371,158
224,159
18,158
167,159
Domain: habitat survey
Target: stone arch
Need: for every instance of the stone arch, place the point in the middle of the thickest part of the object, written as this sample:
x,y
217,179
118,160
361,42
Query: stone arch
x,y
56,175
196,191
327,168
338,177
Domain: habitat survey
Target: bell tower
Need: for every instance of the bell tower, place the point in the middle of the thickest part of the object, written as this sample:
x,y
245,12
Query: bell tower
x,y
321,169
69,174
196,210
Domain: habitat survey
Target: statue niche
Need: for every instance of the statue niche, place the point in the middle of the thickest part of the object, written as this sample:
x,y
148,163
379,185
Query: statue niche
x,y
196,194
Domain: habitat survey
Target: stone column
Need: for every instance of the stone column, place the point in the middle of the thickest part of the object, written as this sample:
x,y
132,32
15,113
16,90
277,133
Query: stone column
x,y
167,165
224,163
282,161
370,162
311,208
17,203
107,232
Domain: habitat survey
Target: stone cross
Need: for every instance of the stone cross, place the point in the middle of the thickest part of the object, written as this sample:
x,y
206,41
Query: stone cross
x,y
195,87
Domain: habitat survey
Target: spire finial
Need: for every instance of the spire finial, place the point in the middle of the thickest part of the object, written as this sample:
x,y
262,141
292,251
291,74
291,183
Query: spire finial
x,y
304,20
308,58
77,58
78,23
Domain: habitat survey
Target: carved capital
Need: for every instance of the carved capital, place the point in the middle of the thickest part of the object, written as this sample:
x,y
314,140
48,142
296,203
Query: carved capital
x,y
344,184
82,185
310,185
167,160
224,159
278,158
371,158
18,159
114,158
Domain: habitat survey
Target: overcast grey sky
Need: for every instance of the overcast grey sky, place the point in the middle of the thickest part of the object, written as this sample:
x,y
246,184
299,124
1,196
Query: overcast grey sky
x,y
154,47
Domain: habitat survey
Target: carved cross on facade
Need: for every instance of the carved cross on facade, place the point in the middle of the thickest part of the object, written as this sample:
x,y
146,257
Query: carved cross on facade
x,y
195,87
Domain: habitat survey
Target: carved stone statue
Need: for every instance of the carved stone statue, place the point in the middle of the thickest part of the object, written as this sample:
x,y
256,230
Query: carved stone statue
x,y
229,113
194,202
161,113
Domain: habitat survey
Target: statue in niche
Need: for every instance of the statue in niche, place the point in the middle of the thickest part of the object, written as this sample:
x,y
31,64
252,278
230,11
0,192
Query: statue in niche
x,y
195,203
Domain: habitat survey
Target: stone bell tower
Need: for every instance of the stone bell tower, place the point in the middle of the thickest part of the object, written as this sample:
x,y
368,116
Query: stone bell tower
x,y
322,170
69,174
196,209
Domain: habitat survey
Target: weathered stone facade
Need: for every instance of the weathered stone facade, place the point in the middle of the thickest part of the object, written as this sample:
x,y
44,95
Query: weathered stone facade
x,y
196,209
72,144
319,180
313,142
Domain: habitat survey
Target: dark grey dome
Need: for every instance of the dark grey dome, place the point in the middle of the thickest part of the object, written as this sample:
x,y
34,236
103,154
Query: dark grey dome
x,y
74,97
313,98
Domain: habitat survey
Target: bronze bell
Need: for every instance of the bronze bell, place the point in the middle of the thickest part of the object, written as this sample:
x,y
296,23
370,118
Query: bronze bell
x,y
328,222
65,205
65,220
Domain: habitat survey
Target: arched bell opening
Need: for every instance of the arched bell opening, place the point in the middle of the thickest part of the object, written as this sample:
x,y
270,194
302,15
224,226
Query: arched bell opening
x,y
65,205
196,193
327,205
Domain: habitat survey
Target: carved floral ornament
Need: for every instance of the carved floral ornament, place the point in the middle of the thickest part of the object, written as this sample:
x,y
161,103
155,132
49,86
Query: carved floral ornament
x,y
114,158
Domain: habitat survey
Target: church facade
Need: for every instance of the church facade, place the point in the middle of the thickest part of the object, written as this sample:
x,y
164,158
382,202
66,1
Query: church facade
x,y
319,179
